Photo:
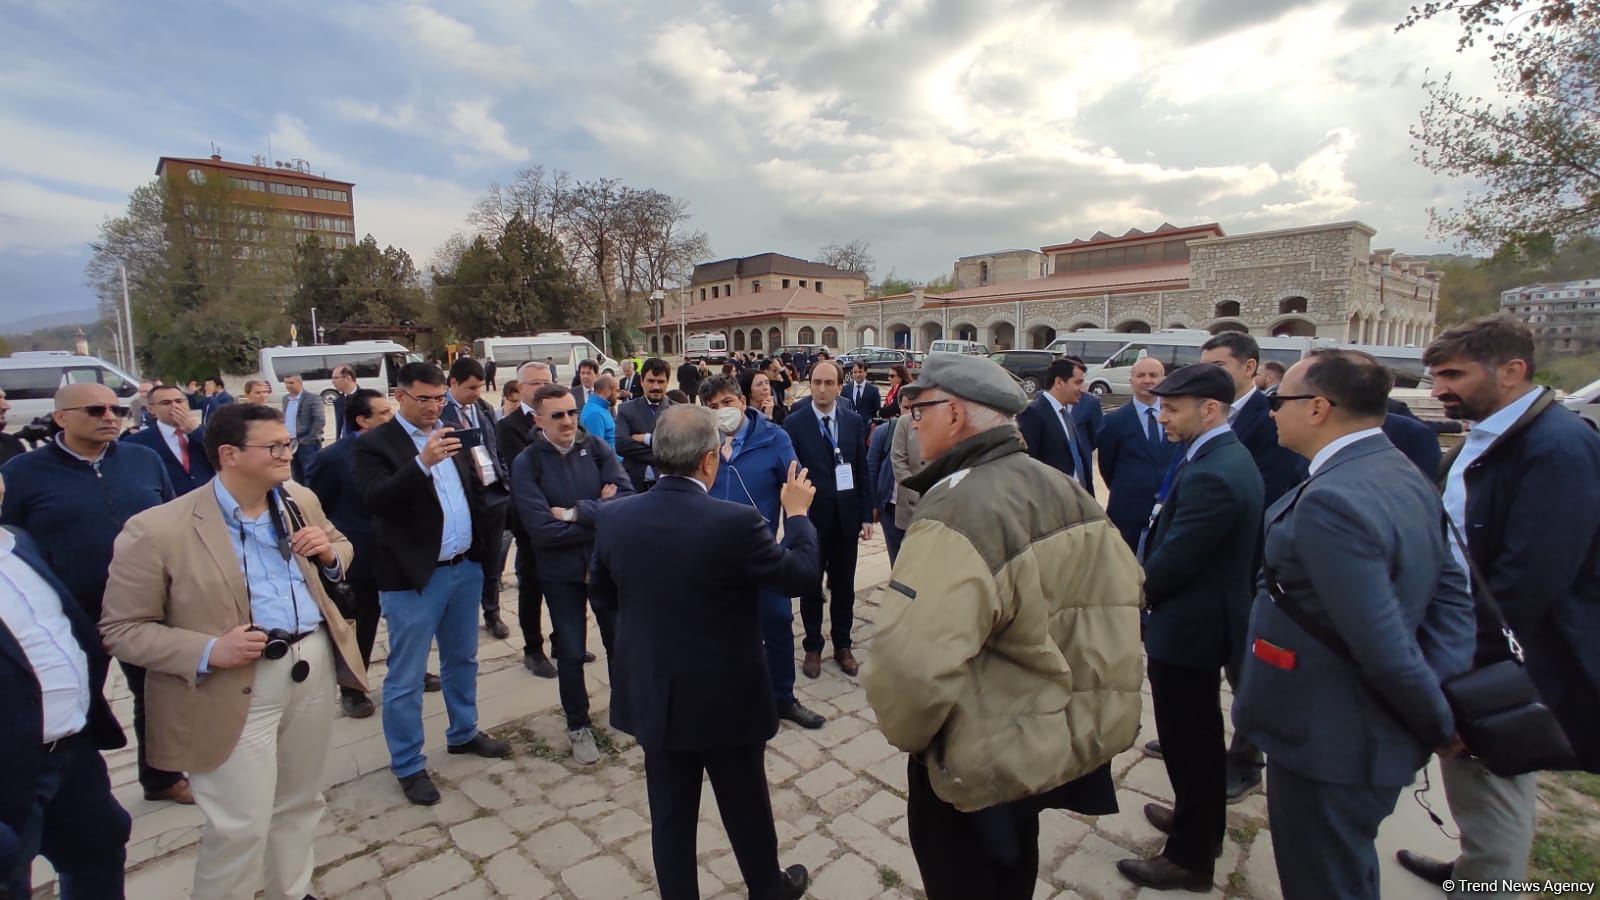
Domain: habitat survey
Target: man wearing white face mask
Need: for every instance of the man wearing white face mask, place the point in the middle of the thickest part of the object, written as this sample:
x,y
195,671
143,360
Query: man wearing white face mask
x,y
755,464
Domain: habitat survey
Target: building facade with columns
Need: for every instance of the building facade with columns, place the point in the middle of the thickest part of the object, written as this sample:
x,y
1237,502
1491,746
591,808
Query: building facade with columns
x,y
1322,280
761,303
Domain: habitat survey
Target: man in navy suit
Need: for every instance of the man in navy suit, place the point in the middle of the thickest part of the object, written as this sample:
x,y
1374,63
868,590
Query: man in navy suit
x,y
1134,452
863,394
1051,430
217,396
689,678
1090,417
55,794
1417,441
831,443
177,438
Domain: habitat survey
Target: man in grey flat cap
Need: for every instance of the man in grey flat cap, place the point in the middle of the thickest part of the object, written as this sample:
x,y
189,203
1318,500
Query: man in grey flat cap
x,y
966,614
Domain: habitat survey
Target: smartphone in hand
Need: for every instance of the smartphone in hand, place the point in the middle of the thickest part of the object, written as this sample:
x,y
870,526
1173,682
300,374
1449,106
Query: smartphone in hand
x,y
469,437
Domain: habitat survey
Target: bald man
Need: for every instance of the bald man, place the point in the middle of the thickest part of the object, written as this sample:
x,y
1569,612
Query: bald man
x,y
1134,454
73,494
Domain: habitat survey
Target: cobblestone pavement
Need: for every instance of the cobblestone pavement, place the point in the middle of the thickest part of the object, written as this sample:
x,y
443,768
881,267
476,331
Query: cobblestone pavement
x,y
538,825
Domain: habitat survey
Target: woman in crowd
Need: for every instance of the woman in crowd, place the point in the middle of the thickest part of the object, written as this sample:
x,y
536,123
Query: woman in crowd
x,y
758,395
510,398
898,378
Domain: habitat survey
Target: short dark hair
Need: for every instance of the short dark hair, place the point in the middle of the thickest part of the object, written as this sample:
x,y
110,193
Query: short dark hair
x,y
345,368
589,364
838,372
1239,345
677,396
466,368
1356,382
163,387
550,392
858,364
747,381
427,373
511,389
718,384
1274,367
359,406
1063,369
214,379
229,426
1488,341
655,365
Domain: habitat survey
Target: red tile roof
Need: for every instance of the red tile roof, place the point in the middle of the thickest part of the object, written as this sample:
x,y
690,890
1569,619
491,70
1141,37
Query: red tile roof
x,y
766,305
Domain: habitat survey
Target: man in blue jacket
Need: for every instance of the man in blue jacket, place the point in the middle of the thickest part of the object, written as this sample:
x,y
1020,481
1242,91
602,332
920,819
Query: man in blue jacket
x,y
557,484
597,418
73,495
1134,453
755,467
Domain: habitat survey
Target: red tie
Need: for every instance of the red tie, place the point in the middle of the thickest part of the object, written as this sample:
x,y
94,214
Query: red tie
x,y
183,450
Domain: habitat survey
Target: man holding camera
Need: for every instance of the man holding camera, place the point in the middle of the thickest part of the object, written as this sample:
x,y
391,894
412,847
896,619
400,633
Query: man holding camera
x,y
219,595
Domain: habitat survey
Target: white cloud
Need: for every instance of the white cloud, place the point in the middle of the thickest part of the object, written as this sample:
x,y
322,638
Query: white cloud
x,y
399,118
37,219
452,42
477,128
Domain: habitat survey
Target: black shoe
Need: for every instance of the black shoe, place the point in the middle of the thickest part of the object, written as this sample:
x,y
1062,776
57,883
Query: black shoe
x,y
1238,789
419,789
1161,817
1163,874
1427,868
588,657
356,704
430,683
792,882
801,716
496,627
1152,749
483,745
539,664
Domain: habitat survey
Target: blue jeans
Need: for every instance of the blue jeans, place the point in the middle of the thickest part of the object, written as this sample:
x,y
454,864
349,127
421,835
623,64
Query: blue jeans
x,y
76,823
569,637
777,635
447,609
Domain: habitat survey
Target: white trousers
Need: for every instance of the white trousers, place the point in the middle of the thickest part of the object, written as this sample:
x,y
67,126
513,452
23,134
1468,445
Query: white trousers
x,y
263,805
1496,819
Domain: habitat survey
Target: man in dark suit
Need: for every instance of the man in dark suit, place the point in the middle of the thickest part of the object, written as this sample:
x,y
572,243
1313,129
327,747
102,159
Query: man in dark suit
x,y
628,382
831,443
304,415
689,679
1417,441
464,407
10,444
689,378
1089,415
863,394
636,420
55,794
1134,452
425,499
1051,430
588,371
513,434
217,396
1360,613
332,479
1199,565
177,438
344,384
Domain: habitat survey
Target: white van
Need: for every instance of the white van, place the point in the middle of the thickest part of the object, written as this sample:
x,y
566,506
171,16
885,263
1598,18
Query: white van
x,y
971,348
1585,401
377,365
710,346
565,348
1176,348
1092,345
31,378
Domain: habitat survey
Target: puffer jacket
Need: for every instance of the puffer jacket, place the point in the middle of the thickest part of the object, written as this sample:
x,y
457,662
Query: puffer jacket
x,y
755,475
1007,652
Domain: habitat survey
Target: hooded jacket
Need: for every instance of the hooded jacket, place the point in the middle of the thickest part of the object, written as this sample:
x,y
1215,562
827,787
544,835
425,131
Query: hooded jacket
x,y
756,473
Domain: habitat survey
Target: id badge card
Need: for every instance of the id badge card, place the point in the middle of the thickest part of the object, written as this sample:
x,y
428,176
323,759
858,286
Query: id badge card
x,y
844,478
484,465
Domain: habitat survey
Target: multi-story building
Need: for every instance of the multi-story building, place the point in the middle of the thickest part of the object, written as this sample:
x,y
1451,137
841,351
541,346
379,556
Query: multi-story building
x,y
1564,316
1321,280
761,302
281,196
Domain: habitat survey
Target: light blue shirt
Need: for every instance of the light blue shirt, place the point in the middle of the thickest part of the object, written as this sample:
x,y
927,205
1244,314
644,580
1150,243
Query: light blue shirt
x,y
279,595
1472,446
291,413
1198,442
456,537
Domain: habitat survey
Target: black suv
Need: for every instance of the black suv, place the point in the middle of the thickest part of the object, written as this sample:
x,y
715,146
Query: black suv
x,y
1027,365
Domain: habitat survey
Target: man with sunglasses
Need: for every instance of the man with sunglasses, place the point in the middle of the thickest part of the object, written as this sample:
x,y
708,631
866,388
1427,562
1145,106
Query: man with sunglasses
x,y
73,494
177,438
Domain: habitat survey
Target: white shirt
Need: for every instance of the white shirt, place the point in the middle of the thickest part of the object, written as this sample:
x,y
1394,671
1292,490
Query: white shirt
x,y
1478,440
1337,444
32,612
170,435
1198,442
291,411
1238,405
1063,412
694,481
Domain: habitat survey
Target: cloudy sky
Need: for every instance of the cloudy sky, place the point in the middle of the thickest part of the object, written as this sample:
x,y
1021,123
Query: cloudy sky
x,y
930,128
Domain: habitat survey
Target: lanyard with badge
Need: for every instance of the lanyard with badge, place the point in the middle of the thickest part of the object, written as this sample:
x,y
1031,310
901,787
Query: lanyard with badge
x,y
844,478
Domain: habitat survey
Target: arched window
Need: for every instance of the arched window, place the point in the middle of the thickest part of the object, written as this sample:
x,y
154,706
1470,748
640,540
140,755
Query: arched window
x,y
1227,309
983,274
774,338
1290,305
830,337
755,339
655,347
666,345
808,335
738,339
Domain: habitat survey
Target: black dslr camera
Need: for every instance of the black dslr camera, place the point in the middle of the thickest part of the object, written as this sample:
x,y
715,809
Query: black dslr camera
x,y
277,642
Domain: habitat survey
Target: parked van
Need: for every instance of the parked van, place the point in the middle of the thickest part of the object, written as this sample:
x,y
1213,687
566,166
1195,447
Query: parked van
x,y
565,348
377,365
1176,348
971,348
31,378
1585,401
1092,345
710,346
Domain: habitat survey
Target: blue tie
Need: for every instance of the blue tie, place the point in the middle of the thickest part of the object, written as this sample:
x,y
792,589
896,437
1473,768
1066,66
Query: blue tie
x,y
1152,429
1167,482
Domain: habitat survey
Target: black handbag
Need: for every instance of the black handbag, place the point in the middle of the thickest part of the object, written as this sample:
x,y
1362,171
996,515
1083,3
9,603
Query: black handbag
x,y
1498,712
344,599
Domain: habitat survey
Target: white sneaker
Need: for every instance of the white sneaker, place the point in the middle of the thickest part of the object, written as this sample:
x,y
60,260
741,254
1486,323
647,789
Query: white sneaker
x,y
584,751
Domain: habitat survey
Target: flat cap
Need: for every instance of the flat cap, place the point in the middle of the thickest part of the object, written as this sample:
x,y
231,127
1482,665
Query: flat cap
x,y
975,378
1204,380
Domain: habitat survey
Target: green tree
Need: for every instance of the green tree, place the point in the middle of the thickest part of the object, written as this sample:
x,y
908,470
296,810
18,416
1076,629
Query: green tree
x,y
518,285
314,285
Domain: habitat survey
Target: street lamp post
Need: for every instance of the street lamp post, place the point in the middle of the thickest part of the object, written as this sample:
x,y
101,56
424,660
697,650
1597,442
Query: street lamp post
x,y
316,333
127,312
658,305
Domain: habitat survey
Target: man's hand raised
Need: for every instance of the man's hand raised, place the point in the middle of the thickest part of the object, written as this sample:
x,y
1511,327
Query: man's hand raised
x,y
797,492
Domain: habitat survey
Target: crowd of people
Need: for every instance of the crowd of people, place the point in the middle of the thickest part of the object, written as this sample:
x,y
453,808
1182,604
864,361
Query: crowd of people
x,y
1292,531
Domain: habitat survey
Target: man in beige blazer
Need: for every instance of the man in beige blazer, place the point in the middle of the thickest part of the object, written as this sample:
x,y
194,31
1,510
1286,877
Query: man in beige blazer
x,y
219,595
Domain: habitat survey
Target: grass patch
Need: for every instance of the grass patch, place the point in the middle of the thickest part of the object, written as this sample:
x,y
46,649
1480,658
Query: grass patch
x,y
1236,885
1562,857
889,878
605,742
1566,842
1584,783
1244,833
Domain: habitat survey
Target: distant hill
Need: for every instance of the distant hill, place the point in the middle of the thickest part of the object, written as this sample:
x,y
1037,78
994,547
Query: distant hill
x,y
51,320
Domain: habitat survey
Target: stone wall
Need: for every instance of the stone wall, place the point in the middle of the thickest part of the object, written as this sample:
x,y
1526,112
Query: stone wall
x,y
1004,267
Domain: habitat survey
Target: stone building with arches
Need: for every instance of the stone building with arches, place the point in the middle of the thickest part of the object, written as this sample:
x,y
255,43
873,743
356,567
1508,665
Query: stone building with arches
x,y
1316,281
761,302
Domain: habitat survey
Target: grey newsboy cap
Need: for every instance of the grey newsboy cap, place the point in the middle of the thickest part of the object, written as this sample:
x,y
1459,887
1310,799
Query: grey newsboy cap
x,y
975,378
1204,380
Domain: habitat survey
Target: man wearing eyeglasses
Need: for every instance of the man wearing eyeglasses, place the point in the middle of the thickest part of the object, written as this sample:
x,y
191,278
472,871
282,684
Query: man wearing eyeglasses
x,y
557,484
425,500
177,438
74,494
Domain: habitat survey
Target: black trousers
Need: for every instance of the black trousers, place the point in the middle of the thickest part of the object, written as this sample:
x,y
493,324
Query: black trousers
x,y
569,639
992,854
494,525
528,595
1189,724
303,457
838,549
150,778
75,823
739,780
368,611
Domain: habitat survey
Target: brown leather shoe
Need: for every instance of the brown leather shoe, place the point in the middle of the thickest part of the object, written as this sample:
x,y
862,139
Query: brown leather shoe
x,y
812,667
847,661
1163,874
178,793
1160,816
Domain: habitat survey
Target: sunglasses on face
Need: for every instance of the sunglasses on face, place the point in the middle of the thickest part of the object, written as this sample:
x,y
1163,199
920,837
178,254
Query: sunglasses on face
x,y
559,414
1276,401
98,410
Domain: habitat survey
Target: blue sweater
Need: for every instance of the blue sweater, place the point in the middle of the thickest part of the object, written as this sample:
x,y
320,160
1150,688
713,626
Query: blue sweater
x,y
75,512
597,419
